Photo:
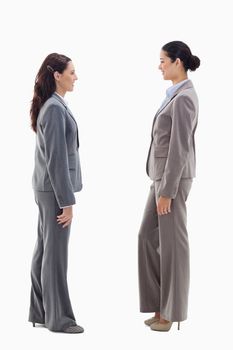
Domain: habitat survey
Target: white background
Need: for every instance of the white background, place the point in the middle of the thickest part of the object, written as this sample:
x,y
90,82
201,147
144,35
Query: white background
x,y
115,47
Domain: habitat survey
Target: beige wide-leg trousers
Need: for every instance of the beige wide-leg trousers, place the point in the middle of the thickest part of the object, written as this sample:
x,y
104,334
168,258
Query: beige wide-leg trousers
x,y
164,256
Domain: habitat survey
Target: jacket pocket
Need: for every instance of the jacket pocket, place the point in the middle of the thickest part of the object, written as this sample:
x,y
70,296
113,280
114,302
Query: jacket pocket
x,y
160,159
160,152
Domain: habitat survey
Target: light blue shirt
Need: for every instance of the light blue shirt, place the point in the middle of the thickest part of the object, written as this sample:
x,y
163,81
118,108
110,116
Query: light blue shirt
x,y
172,90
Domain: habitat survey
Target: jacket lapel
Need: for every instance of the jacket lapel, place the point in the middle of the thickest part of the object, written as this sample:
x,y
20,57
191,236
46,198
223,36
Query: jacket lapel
x,y
165,104
57,97
187,85
157,113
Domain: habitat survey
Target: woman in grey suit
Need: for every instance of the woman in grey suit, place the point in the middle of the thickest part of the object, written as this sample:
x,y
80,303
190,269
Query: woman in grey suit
x,y
57,175
163,239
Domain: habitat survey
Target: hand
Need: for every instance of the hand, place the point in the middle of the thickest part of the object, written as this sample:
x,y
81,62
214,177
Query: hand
x,y
66,216
164,205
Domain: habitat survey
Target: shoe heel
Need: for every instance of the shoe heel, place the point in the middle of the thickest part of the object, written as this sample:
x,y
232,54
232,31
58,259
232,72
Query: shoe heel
x,y
33,324
178,326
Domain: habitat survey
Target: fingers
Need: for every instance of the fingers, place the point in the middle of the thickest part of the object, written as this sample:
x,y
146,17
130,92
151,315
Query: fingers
x,y
67,223
64,219
163,206
163,210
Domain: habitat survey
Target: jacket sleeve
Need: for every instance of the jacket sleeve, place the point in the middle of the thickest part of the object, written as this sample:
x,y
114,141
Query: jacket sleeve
x,y
56,156
183,115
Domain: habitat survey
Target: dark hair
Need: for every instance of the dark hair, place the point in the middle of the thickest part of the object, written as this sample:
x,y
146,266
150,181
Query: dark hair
x,y
178,49
45,84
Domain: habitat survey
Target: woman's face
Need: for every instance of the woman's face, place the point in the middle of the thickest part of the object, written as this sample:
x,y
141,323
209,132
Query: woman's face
x,y
169,69
65,81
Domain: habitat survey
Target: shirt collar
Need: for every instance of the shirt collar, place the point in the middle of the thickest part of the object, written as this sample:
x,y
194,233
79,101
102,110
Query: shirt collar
x,y
172,89
61,97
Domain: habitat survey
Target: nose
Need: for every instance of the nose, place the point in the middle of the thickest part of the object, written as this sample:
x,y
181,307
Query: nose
x,y
76,77
159,66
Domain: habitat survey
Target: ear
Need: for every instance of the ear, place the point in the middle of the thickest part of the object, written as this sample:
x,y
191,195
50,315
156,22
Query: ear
x,y
56,75
178,62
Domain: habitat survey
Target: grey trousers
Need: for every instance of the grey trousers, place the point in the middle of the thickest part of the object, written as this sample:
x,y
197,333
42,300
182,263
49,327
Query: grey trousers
x,y
50,302
164,256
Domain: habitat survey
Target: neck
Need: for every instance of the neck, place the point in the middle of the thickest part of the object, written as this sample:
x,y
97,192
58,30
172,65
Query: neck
x,y
60,92
179,79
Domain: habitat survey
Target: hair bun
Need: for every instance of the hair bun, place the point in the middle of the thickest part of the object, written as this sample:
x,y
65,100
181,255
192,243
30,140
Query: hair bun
x,y
194,62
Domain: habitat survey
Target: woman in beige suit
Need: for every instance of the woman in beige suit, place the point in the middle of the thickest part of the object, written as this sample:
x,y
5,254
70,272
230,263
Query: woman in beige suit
x,y
163,239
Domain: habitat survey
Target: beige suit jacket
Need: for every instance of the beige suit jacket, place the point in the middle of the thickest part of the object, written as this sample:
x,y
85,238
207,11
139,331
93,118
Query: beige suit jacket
x,y
172,155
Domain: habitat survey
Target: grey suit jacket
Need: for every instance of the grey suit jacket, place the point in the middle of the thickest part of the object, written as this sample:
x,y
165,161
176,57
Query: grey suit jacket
x,y
171,155
57,163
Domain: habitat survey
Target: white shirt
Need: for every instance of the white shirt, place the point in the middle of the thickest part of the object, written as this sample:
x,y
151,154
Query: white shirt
x,y
61,97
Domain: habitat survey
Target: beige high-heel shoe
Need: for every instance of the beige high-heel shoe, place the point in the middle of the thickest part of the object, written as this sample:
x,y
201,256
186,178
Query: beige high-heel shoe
x,y
162,327
151,320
